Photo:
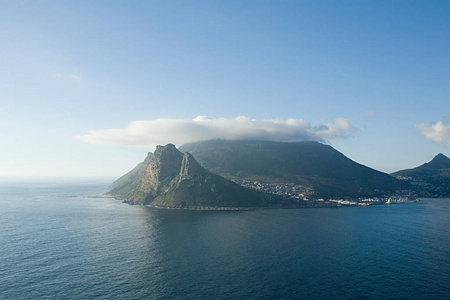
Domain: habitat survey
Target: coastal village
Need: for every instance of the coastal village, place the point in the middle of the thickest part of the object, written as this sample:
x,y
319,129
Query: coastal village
x,y
299,196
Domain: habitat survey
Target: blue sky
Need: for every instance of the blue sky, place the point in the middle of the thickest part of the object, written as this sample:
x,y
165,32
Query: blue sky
x,y
370,78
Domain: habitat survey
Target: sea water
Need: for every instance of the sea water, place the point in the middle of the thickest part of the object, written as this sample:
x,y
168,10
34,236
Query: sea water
x,y
59,240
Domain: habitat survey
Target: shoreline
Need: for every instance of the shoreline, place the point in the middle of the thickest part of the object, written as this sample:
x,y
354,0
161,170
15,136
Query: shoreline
x,y
328,204
218,208
207,208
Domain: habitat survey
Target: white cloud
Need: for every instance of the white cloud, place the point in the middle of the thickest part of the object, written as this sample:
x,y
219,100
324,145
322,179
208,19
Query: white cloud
x,y
439,132
72,77
150,133
340,127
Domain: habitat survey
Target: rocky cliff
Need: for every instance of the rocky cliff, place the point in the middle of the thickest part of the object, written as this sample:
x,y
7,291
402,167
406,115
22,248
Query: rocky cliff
x,y
174,179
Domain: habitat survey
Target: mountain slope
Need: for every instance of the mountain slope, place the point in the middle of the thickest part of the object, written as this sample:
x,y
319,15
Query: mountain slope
x,y
133,174
438,166
310,164
432,178
174,179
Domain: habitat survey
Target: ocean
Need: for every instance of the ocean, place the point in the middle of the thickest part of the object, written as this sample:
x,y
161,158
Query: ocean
x,y
60,239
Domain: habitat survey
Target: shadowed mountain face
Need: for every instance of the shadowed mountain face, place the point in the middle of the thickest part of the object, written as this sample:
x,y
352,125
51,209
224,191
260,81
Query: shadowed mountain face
x,y
439,162
310,164
174,179
432,178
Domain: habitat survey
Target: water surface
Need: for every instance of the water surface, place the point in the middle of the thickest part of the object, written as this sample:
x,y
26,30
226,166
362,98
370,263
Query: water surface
x,y
57,242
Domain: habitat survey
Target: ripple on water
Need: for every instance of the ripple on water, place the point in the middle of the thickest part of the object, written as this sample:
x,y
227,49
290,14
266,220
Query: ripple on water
x,y
80,247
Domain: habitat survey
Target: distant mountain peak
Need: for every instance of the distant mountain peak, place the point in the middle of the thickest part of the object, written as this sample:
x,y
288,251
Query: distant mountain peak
x,y
441,156
440,161
432,178
173,179
168,147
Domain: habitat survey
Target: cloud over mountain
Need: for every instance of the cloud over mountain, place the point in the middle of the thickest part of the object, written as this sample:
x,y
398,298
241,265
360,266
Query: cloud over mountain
x,y
150,133
438,132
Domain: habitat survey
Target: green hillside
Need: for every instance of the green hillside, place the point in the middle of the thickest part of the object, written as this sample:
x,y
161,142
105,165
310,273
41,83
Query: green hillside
x,y
430,179
310,164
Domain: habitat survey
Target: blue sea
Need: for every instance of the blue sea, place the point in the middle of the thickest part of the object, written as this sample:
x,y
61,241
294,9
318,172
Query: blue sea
x,y
60,239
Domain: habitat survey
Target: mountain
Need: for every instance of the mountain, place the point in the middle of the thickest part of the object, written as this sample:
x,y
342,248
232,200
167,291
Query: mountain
x,y
432,178
310,164
174,179
135,174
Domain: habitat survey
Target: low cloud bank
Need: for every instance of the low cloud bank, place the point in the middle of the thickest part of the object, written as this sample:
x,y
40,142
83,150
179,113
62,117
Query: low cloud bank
x,y
150,133
438,132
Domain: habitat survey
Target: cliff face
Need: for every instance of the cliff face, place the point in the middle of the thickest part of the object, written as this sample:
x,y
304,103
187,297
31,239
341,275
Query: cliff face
x,y
135,173
163,167
174,179
189,167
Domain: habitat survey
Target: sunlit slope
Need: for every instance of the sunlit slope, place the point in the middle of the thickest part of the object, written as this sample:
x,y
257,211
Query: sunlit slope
x,y
174,179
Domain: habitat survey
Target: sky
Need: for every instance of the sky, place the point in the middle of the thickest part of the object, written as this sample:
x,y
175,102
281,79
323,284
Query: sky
x,y
88,88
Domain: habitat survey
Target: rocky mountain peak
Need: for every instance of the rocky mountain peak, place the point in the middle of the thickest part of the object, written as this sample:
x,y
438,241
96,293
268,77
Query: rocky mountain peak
x,y
165,150
164,164
148,157
174,179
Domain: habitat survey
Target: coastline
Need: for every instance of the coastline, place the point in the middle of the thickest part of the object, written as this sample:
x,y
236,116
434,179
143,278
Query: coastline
x,y
207,208
295,205
219,208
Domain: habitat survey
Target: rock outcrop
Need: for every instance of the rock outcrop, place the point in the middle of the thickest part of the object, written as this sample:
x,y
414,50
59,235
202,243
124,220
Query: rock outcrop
x,y
173,179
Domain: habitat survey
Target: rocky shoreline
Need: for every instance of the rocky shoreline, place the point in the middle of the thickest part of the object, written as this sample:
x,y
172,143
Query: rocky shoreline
x,y
219,208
